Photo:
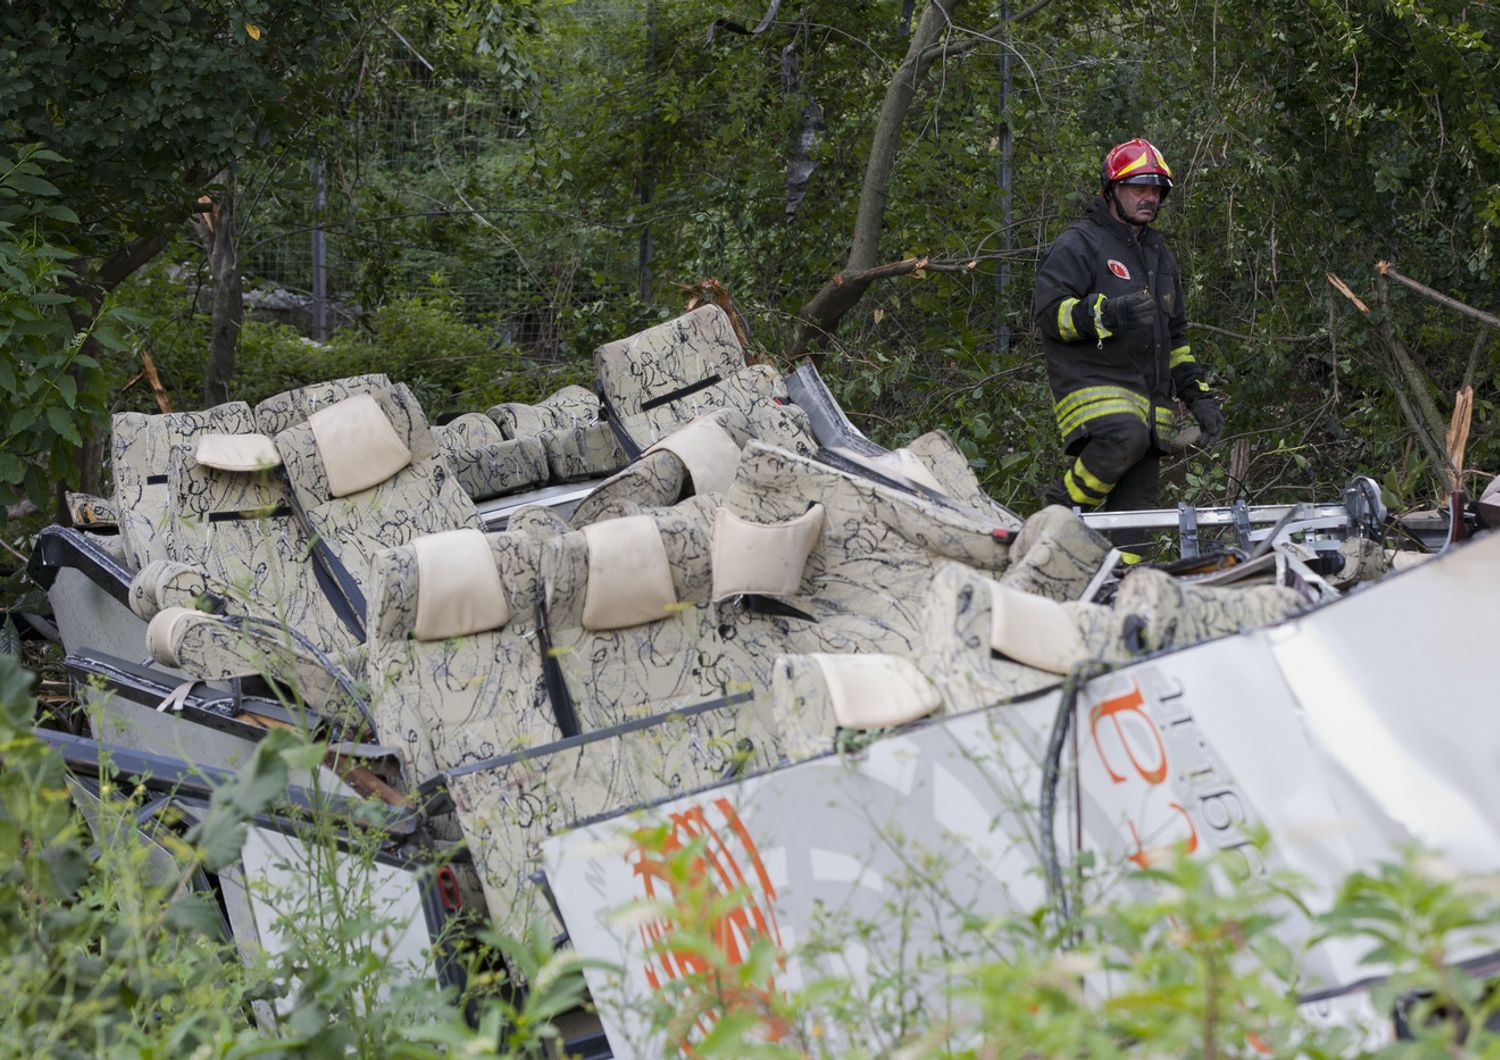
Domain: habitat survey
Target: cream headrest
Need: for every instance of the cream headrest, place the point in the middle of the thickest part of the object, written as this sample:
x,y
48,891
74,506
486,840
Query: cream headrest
x,y
762,558
707,450
1033,630
876,691
162,632
458,586
237,452
630,580
358,445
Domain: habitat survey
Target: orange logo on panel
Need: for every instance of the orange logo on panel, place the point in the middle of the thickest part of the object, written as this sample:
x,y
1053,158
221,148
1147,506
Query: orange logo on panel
x,y
722,889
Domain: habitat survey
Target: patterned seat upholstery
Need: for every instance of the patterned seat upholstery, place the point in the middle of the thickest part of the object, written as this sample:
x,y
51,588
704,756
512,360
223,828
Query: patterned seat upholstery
x,y
957,647
577,444
664,377
783,425
589,451
449,703
658,479
140,447
1158,612
275,414
866,579
239,547
423,497
950,467
619,675
240,528
485,462
507,808
1055,555
1152,611
571,406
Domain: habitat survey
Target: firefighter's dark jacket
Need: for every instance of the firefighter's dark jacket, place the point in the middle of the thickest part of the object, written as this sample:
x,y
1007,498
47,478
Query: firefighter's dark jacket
x,y
1093,371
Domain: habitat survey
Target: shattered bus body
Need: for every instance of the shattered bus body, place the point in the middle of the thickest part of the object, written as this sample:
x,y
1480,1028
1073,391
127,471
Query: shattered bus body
x,y
700,599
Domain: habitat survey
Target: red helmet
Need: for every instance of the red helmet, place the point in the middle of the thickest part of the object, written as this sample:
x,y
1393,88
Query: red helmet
x,y
1135,162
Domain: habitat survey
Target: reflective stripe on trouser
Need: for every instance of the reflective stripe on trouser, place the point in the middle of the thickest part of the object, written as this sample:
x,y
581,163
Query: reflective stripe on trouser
x,y
1095,402
1115,444
1084,487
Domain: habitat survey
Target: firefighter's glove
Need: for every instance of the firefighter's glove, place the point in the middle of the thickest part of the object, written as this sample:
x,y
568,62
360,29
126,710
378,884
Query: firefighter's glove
x,y
1129,312
1209,418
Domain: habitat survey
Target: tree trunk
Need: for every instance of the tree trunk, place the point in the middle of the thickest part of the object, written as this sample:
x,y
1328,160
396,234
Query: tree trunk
x,y
221,239
822,313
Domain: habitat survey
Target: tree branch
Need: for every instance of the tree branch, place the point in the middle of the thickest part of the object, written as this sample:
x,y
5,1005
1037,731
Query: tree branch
x,y
1472,367
822,313
1415,379
904,267
117,268
988,35
1385,268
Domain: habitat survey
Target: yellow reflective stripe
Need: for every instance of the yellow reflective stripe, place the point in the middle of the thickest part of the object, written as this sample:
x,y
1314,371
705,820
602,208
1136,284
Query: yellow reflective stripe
x,y
1163,417
1183,355
1137,164
1131,558
1065,327
1079,496
1099,328
1086,395
1202,386
1089,479
1069,424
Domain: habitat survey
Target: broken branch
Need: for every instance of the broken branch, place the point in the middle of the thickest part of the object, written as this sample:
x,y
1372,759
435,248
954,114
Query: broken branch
x,y
1343,289
163,399
1458,434
904,267
1385,268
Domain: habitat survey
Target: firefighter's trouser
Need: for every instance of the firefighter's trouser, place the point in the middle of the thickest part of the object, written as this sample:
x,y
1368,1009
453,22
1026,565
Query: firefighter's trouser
x,y
1115,467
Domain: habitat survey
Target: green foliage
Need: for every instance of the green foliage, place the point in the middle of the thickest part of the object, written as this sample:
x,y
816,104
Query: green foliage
x,y
50,389
1185,958
421,339
92,955
133,95
99,955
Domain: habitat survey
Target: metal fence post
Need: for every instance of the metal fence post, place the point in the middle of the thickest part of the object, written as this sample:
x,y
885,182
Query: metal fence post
x,y
319,259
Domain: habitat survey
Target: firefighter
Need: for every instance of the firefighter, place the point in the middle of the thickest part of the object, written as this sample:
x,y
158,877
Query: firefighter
x,y
1109,303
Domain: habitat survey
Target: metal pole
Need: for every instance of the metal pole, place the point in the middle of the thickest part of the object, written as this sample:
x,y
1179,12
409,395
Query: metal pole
x,y
644,250
319,260
1002,274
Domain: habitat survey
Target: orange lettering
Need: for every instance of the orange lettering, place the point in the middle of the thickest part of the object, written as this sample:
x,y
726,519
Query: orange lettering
x,y
1143,857
1112,709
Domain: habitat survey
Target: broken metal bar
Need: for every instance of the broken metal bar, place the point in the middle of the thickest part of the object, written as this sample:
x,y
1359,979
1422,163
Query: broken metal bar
x,y
1167,518
1241,512
1187,531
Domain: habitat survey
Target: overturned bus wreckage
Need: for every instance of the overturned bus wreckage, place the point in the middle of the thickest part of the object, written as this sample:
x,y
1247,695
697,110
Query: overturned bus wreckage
x,y
700,604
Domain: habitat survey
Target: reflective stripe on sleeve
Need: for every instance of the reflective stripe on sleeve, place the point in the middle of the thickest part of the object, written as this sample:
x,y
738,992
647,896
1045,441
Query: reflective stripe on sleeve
x,y
1183,355
1099,328
1066,329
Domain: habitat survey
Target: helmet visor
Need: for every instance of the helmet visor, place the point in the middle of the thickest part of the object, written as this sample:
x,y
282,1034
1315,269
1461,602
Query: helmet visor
x,y
1158,179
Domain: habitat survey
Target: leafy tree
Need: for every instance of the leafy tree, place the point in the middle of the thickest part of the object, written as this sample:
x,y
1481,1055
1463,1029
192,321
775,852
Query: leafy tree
x,y
48,385
148,100
143,102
